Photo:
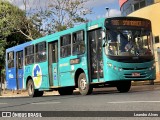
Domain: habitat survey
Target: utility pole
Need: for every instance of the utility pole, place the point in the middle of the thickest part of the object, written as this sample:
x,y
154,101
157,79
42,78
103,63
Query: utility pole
x,y
107,11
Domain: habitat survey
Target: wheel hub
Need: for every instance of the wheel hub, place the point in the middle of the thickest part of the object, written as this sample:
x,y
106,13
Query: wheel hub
x,y
83,84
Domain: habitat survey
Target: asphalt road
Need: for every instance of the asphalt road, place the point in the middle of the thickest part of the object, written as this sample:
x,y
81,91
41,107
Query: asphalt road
x,y
139,98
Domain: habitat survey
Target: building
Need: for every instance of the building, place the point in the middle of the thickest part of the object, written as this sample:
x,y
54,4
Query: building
x,y
149,9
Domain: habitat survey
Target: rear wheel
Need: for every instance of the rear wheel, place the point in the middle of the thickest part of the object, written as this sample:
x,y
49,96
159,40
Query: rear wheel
x,y
65,91
83,85
124,86
30,88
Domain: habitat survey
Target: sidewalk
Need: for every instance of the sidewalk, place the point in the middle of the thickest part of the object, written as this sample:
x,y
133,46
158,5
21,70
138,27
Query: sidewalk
x,y
23,93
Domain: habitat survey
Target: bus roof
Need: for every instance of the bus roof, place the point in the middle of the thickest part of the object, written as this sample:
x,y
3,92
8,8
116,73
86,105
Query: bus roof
x,y
51,37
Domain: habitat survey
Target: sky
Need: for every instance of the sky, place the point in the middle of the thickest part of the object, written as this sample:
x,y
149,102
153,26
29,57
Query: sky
x,y
98,7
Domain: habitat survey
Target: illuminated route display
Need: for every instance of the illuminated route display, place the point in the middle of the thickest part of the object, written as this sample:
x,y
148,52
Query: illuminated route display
x,y
129,22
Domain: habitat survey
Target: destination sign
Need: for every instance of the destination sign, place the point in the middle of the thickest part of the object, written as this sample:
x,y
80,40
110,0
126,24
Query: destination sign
x,y
128,22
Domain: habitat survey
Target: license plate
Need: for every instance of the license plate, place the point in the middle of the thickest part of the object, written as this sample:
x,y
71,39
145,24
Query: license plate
x,y
135,74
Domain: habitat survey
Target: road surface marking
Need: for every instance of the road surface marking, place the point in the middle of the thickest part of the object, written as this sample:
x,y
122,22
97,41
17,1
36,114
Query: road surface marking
x,y
3,103
38,103
135,102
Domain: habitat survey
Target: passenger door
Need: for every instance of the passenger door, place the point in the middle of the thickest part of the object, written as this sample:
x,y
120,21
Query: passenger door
x,y
95,54
19,69
53,63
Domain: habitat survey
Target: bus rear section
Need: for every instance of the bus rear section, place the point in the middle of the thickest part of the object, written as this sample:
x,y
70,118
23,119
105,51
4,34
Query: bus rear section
x,y
15,67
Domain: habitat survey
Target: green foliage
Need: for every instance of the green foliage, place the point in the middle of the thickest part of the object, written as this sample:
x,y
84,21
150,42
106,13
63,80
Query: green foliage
x,y
8,18
2,51
15,28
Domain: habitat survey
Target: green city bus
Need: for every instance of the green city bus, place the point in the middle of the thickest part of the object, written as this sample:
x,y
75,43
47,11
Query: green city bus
x,y
105,52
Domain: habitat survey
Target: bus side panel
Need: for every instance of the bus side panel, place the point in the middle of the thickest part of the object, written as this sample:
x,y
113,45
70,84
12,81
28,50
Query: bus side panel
x,y
11,79
44,77
39,74
65,78
20,78
27,73
67,70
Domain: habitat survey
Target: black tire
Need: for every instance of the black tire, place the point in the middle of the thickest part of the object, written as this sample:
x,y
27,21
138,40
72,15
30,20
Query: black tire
x,y
30,88
83,85
124,86
65,91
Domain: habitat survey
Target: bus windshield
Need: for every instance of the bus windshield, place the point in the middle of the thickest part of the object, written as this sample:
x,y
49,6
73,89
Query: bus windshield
x,y
129,43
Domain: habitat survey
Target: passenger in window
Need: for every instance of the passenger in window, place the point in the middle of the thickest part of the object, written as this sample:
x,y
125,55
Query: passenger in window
x,y
82,48
110,50
128,46
62,52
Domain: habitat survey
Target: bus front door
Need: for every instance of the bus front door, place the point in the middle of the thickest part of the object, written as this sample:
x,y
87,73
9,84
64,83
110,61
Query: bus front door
x,y
95,55
53,63
19,70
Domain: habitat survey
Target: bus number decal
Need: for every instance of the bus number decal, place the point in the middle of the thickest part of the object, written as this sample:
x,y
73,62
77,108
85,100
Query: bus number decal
x,y
27,69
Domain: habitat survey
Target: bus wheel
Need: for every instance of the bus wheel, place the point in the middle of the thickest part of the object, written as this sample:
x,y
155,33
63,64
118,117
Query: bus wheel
x,y
84,87
124,86
65,91
30,88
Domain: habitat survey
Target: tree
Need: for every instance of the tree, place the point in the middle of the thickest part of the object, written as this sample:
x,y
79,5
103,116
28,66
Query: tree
x,y
15,28
13,19
59,15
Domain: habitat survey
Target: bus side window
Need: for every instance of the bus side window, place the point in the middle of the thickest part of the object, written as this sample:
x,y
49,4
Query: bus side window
x,y
78,43
29,55
65,46
20,60
10,59
40,52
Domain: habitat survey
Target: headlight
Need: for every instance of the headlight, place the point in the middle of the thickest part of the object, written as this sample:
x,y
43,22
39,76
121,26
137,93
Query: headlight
x,y
120,69
154,65
109,64
151,68
114,68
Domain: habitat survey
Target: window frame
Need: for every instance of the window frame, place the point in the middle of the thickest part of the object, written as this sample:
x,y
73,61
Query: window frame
x,y
29,55
78,42
20,59
10,62
65,46
39,52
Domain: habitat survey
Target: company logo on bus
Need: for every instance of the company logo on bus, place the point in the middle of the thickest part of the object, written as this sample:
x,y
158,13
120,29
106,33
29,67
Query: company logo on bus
x,y
37,75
